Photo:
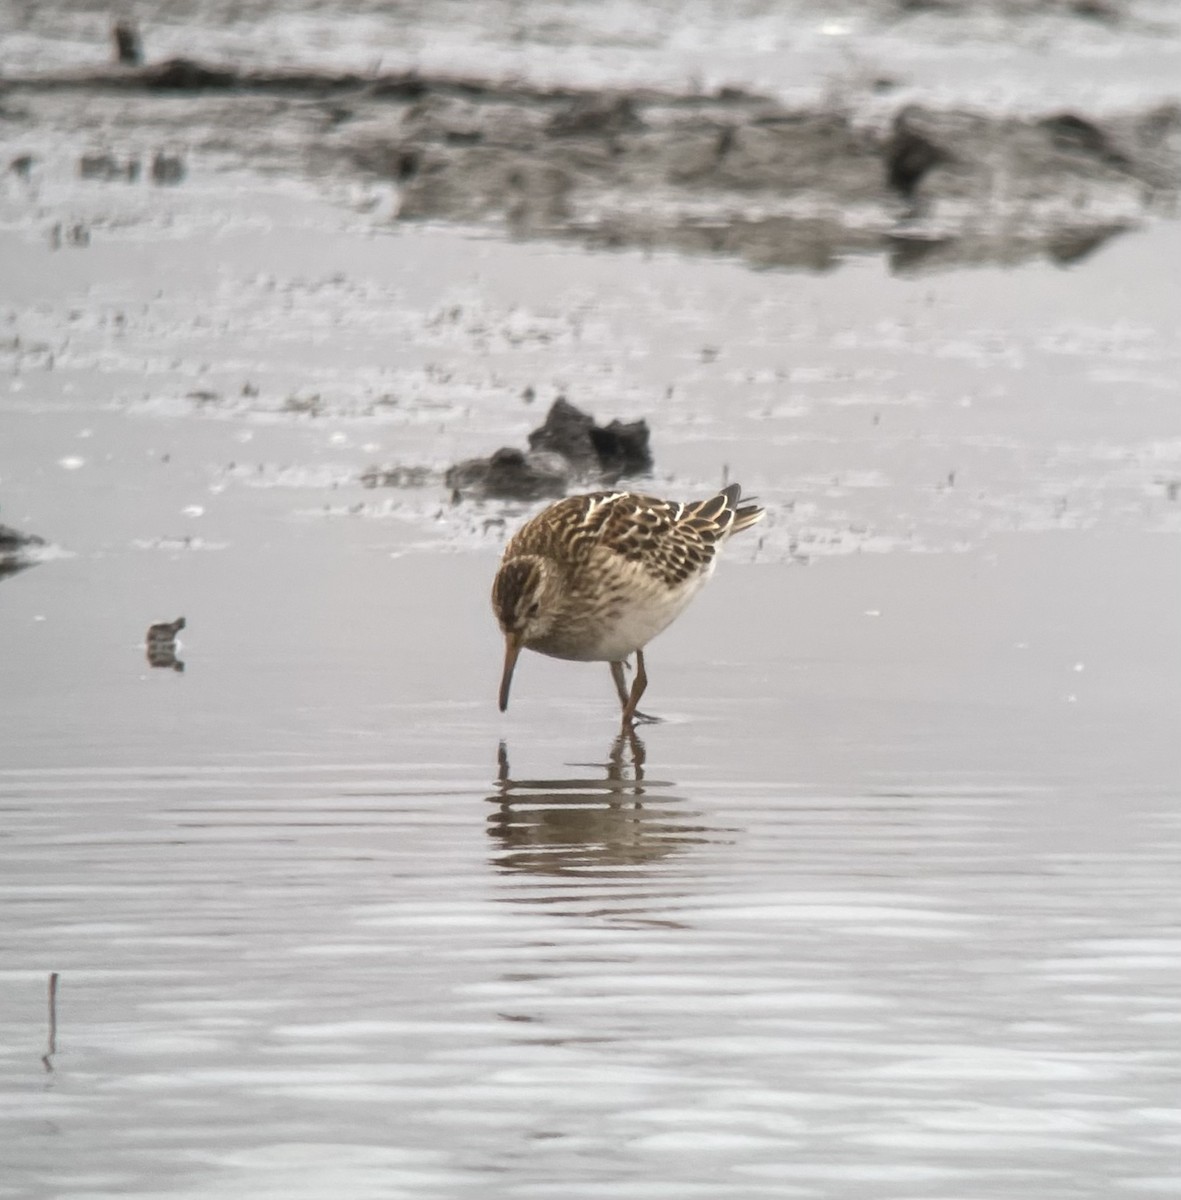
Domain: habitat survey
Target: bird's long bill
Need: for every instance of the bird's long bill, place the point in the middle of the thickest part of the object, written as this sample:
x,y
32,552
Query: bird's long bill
x,y
512,647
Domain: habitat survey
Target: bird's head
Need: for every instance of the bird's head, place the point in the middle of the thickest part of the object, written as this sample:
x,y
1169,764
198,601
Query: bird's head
x,y
524,597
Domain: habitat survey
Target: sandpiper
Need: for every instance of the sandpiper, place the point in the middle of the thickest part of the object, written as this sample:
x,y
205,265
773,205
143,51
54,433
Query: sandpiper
x,y
595,578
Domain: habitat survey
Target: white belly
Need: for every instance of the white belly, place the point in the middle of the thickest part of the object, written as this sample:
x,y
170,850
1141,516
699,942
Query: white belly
x,y
636,625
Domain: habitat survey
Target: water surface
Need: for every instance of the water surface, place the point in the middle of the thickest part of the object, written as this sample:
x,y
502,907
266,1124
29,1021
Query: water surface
x,y
886,907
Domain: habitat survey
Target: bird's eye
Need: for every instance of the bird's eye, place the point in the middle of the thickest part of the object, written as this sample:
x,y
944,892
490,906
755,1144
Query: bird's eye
x,y
533,609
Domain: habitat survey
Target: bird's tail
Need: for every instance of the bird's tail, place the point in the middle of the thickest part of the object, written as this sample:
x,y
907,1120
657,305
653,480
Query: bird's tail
x,y
745,513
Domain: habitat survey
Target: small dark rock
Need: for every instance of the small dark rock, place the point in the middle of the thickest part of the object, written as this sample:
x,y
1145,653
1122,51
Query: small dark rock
x,y
910,154
129,51
167,169
406,165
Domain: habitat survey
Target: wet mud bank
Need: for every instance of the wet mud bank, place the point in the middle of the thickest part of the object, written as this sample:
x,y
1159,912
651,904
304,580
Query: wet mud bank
x,y
729,172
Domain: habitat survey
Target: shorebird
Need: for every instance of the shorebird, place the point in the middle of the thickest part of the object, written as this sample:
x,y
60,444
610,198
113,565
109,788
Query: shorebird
x,y
595,578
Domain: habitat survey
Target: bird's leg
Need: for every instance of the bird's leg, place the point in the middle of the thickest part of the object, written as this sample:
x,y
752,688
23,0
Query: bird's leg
x,y
620,683
630,714
632,696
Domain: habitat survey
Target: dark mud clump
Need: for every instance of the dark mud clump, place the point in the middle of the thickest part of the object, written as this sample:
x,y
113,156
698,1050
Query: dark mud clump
x,y
610,451
729,172
567,448
510,474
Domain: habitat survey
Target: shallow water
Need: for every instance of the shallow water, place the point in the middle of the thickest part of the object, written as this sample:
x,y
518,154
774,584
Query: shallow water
x,y
886,906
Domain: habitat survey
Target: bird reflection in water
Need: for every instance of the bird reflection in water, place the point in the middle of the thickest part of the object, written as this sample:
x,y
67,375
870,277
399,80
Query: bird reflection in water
x,y
592,823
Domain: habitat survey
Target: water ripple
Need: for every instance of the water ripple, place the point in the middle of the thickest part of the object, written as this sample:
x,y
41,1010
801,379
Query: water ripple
x,y
400,979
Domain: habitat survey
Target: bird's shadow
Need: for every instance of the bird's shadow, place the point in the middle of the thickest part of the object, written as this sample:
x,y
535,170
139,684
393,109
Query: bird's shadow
x,y
616,818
